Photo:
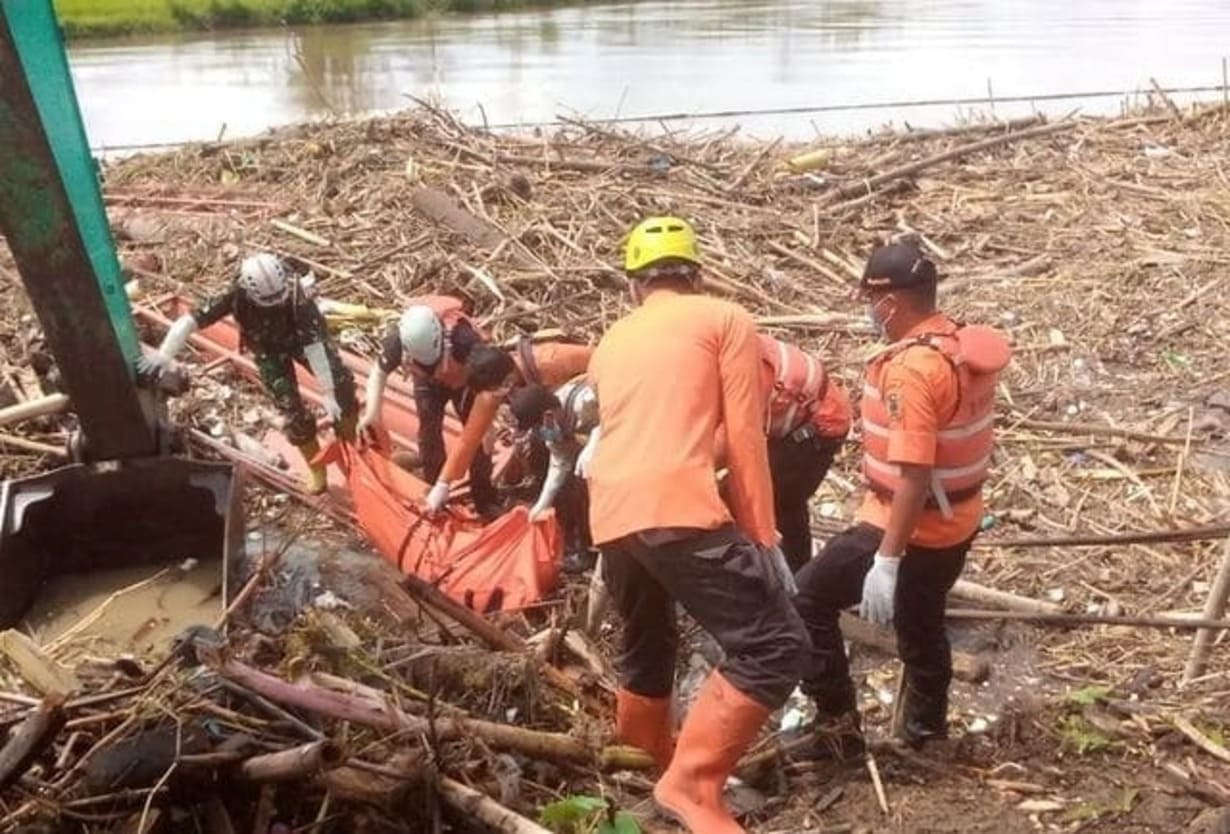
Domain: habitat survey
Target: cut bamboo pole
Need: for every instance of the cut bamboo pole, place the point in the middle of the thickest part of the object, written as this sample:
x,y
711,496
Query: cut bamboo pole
x,y
1214,609
964,589
41,407
485,809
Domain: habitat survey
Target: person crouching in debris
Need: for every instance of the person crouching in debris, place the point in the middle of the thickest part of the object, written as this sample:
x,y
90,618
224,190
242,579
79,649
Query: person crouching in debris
x,y
282,326
432,341
808,418
566,422
928,415
493,373
665,376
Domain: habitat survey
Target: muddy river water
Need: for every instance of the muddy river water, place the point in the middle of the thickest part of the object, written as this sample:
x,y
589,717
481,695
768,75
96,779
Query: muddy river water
x,y
662,57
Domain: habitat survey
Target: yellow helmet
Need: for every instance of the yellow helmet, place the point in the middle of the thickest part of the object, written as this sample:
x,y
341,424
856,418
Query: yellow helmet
x,y
657,238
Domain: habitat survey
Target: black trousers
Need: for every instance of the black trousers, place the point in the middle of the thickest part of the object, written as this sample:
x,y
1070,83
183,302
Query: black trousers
x,y
798,466
430,399
727,585
571,502
833,581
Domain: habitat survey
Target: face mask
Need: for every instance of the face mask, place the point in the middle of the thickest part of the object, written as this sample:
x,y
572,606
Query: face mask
x,y
879,323
550,434
877,326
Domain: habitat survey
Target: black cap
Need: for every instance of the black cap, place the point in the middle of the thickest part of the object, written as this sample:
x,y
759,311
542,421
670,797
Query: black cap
x,y
898,266
528,403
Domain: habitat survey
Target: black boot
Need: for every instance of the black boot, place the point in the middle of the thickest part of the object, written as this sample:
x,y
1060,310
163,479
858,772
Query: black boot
x,y
924,715
836,734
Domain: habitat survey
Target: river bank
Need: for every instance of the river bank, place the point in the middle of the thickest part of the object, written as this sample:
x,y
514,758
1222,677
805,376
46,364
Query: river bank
x,y
84,19
1098,245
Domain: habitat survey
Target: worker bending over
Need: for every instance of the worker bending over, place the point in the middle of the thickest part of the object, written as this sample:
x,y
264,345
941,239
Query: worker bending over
x,y
432,341
281,325
566,422
928,416
808,418
665,375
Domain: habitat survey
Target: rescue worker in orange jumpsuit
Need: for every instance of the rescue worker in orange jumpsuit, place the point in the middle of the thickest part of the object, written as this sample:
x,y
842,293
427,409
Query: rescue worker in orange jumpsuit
x,y
665,375
808,418
491,374
432,341
928,417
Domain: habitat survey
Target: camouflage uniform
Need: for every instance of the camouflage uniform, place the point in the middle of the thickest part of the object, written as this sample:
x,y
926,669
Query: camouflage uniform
x,y
277,336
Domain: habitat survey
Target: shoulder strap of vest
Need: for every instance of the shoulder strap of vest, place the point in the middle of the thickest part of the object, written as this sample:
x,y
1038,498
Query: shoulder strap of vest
x,y
529,366
568,422
933,341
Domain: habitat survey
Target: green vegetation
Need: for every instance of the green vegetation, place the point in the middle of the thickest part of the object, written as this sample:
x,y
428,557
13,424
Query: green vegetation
x,y
587,815
96,18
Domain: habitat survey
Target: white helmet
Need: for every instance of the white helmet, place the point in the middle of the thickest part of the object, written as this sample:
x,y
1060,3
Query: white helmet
x,y
262,278
422,335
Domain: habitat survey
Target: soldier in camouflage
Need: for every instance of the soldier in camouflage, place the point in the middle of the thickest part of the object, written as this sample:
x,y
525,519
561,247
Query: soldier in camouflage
x,y
281,326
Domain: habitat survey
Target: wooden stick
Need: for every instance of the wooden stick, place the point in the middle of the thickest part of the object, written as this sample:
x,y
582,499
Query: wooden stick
x,y
1094,429
964,589
1186,534
31,738
292,765
1089,619
50,404
1214,609
1198,738
485,809
912,168
386,716
965,666
302,234
877,783
33,446
482,628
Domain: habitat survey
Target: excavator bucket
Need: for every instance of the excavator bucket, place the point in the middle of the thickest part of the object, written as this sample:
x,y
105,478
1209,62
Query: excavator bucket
x,y
96,517
129,502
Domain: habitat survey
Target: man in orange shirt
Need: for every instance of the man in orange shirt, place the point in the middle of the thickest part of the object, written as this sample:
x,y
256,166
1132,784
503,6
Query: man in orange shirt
x,y
928,416
665,376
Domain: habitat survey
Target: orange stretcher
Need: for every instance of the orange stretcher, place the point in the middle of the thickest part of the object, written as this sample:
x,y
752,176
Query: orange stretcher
x,y
507,564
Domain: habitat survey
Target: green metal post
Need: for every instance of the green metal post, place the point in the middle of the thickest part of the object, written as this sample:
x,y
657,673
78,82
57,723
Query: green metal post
x,y
52,215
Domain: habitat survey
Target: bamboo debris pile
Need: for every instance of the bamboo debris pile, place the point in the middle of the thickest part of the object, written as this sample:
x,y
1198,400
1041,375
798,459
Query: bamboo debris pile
x,y
343,718
1099,245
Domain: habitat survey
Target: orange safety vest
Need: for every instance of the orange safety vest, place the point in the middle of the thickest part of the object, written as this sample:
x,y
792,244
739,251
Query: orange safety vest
x,y
964,442
799,392
448,372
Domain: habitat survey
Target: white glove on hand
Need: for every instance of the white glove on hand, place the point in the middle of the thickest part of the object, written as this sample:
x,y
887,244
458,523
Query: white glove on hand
x,y
539,512
437,497
155,364
777,559
879,589
332,409
585,458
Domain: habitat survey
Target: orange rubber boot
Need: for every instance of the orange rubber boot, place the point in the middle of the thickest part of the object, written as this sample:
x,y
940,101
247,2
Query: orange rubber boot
x,y
645,723
720,727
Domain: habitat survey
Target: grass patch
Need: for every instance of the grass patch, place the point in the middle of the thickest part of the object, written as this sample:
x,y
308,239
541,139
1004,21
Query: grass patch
x,y
99,18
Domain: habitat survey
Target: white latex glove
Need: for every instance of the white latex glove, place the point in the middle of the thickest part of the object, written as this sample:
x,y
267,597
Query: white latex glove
x,y
777,559
332,409
879,588
586,457
437,497
155,364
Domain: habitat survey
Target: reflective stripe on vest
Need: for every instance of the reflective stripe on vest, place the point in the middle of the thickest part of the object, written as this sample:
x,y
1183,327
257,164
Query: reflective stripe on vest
x,y
799,385
963,442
